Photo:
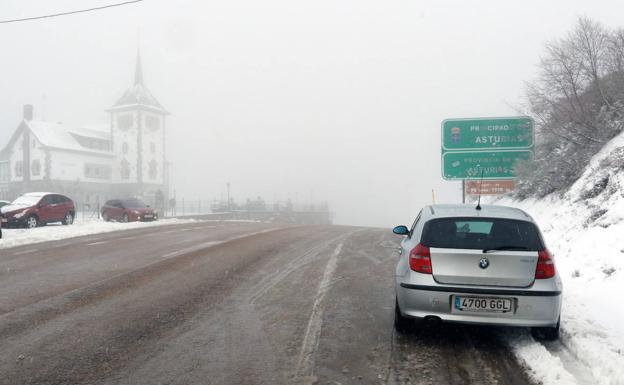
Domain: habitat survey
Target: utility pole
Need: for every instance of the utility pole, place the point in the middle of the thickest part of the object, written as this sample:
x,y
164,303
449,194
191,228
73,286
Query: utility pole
x,y
463,190
228,196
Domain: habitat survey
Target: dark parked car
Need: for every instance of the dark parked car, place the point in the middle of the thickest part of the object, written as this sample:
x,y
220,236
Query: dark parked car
x,y
128,210
38,208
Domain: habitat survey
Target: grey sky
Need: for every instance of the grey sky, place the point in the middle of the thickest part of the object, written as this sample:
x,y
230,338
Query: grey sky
x,y
280,97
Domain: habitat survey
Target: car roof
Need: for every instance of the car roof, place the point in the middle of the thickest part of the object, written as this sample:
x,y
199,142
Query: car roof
x,y
470,210
39,194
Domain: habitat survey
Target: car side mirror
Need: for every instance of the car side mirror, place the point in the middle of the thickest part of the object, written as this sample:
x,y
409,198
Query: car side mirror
x,y
401,230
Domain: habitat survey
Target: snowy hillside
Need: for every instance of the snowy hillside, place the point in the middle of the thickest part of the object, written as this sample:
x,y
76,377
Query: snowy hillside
x,y
584,229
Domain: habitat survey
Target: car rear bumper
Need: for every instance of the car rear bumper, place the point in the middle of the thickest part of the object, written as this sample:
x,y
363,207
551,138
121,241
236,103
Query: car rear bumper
x,y
530,308
143,219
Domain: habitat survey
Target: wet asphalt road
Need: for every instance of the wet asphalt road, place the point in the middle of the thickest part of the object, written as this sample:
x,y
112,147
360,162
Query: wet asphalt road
x,y
226,303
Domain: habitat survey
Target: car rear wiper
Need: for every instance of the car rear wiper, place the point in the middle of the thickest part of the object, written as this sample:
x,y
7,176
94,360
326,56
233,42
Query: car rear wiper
x,y
507,247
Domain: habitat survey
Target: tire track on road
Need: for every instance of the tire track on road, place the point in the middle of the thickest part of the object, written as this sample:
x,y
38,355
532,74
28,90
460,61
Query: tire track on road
x,y
271,280
305,363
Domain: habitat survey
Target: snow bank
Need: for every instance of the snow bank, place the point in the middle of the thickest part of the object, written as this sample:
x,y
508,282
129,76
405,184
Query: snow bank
x,y
53,232
584,229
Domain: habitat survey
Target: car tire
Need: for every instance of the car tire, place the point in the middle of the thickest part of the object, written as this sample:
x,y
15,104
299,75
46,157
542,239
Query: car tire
x,y
68,219
31,222
125,218
402,324
546,333
105,217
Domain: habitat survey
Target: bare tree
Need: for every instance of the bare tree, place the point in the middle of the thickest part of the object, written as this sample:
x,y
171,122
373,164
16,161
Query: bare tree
x,y
577,101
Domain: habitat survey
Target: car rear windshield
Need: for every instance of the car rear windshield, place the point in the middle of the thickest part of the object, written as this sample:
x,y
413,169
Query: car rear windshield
x,y
134,204
481,233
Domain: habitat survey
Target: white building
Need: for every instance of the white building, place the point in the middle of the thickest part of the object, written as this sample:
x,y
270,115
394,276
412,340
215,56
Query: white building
x,y
123,158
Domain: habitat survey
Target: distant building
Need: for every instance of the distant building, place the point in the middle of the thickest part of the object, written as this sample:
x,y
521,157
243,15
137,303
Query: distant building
x,y
123,158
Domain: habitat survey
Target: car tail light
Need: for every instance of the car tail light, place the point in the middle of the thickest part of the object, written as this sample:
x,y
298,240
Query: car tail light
x,y
420,259
545,265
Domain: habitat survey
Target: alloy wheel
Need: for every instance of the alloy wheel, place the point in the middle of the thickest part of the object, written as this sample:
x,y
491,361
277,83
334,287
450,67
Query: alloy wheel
x,y
31,222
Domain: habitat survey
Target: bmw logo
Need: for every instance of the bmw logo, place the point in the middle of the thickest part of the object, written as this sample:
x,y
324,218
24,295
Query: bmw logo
x,y
484,263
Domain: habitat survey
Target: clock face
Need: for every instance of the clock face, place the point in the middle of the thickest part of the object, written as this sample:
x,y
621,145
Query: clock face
x,y
125,122
152,122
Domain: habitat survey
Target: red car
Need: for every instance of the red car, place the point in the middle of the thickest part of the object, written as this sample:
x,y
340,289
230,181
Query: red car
x,y
37,209
128,210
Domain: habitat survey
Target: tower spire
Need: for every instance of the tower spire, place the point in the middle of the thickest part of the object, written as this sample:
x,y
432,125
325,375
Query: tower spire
x,y
138,73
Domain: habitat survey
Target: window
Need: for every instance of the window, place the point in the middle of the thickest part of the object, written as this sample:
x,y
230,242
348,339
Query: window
x,y
481,233
153,169
125,122
48,200
125,169
415,223
97,171
153,147
124,148
58,199
36,167
19,168
152,122
4,172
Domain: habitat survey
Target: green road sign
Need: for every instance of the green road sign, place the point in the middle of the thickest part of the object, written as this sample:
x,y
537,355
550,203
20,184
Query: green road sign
x,y
469,164
487,134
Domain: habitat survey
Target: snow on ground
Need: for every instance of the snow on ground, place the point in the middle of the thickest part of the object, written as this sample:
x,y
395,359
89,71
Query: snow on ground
x,y
53,232
584,229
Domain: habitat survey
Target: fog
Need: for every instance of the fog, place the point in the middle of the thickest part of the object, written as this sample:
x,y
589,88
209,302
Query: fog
x,y
337,101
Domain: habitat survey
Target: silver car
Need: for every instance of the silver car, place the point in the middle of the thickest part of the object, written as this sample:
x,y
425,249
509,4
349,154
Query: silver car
x,y
478,265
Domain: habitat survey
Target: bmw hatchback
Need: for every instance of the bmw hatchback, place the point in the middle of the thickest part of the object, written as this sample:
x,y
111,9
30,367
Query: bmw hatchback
x,y
485,265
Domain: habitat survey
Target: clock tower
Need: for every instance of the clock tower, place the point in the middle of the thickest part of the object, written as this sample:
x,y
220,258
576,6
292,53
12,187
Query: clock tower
x,y
137,124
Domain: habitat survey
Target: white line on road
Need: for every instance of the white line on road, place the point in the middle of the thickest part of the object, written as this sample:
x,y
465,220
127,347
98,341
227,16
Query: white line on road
x,y
305,364
97,243
26,252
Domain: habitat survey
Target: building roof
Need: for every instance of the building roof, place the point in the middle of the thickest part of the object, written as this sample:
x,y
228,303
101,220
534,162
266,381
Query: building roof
x,y
95,131
55,135
138,94
469,210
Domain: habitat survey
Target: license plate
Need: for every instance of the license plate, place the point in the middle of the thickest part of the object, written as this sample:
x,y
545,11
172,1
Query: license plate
x,y
482,304
147,216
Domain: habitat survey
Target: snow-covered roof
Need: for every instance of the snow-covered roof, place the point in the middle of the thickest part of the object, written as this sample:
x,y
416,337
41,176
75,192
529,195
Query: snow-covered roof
x,y
96,131
55,135
37,194
138,94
